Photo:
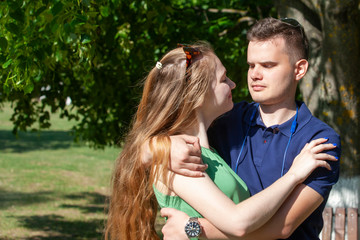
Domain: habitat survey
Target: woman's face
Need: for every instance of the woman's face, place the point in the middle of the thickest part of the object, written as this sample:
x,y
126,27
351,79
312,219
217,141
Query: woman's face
x,y
219,99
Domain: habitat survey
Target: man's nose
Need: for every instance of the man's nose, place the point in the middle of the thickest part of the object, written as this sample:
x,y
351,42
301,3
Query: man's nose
x,y
255,73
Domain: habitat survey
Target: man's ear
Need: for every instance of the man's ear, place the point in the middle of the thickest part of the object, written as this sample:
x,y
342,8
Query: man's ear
x,y
301,68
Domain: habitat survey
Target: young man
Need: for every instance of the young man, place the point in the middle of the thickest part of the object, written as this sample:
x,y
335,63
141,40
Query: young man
x,y
260,140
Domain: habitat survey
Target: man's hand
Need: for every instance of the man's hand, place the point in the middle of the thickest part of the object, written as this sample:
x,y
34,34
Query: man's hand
x,y
174,228
186,156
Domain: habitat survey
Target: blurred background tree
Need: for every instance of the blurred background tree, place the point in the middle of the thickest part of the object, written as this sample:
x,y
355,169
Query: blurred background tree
x,y
331,88
97,53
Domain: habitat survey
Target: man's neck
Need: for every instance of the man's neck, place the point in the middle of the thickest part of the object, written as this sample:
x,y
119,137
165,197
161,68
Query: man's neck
x,y
277,114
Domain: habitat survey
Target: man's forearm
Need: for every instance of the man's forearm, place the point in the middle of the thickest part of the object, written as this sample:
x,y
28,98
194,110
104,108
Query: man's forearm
x,y
300,204
211,232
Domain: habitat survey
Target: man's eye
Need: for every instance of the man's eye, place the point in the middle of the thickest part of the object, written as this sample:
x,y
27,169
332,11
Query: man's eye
x,y
268,65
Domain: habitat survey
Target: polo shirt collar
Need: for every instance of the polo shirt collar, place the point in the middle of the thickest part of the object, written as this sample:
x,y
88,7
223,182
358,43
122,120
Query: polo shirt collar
x,y
252,110
304,116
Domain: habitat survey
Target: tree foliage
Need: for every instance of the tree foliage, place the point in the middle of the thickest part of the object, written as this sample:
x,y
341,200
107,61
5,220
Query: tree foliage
x,y
97,53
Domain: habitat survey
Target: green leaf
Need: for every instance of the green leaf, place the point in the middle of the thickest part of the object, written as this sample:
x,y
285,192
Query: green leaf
x,y
56,8
86,3
13,28
115,2
14,4
105,11
7,63
38,77
39,11
54,26
81,18
85,38
3,43
67,28
6,88
18,15
28,88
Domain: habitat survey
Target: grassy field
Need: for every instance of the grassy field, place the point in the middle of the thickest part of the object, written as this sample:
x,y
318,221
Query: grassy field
x,y
51,187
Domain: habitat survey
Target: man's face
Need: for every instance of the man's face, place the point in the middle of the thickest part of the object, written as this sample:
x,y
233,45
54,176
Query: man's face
x,y
271,76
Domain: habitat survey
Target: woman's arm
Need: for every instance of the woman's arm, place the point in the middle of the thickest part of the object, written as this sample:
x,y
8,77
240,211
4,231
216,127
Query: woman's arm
x,y
296,208
203,195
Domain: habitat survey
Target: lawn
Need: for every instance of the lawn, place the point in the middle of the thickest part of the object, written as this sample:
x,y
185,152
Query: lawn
x,y
51,187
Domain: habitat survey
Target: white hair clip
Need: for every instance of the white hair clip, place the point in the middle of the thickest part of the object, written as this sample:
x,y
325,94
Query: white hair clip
x,y
159,65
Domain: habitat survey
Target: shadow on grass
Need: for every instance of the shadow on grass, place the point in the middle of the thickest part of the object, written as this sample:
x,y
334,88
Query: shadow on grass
x,y
29,141
56,227
93,197
96,202
12,198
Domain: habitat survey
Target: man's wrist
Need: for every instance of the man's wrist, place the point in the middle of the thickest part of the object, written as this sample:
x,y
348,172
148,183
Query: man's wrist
x,y
193,228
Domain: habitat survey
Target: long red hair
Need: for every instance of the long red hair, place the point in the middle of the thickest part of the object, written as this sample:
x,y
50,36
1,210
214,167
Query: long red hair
x,y
167,107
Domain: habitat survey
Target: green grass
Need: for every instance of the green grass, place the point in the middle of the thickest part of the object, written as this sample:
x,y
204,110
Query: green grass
x,y
51,187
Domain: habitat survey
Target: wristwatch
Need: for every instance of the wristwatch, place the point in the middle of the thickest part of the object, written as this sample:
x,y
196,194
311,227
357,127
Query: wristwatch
x,y
193,228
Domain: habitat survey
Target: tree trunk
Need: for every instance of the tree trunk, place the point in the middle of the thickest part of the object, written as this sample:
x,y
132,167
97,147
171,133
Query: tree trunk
x,y
331,88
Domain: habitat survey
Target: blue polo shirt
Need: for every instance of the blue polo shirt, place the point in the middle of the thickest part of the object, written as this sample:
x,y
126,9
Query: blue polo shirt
x,y
262,158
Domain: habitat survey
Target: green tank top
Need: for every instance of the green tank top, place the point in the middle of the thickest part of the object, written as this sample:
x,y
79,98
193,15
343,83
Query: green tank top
x,y
222,175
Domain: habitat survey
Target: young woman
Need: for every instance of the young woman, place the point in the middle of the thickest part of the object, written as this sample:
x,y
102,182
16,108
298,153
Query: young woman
x,y
183,94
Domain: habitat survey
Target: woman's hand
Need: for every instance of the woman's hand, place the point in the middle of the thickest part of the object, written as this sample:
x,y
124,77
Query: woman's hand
x,y
311,157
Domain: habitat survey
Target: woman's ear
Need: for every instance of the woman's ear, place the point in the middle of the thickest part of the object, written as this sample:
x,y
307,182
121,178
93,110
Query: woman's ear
x,y
301,68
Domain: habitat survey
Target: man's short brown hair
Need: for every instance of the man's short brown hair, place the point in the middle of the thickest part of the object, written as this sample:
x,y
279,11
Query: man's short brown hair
x,y
297,44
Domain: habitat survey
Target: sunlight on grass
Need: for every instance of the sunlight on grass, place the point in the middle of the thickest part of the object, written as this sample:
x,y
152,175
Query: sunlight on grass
x,y
51,187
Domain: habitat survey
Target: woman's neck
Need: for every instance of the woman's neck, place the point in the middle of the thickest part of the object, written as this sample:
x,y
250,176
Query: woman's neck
x,y
200,130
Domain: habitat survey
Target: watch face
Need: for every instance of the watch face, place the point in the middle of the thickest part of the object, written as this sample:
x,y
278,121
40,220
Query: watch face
x,y
193,229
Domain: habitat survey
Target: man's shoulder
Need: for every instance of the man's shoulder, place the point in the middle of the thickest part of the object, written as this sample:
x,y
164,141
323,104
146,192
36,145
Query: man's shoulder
x,y
318,126
315,125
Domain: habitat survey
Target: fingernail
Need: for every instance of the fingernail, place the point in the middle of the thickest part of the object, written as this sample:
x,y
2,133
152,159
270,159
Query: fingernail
x,y
335,144
326,138
336,158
